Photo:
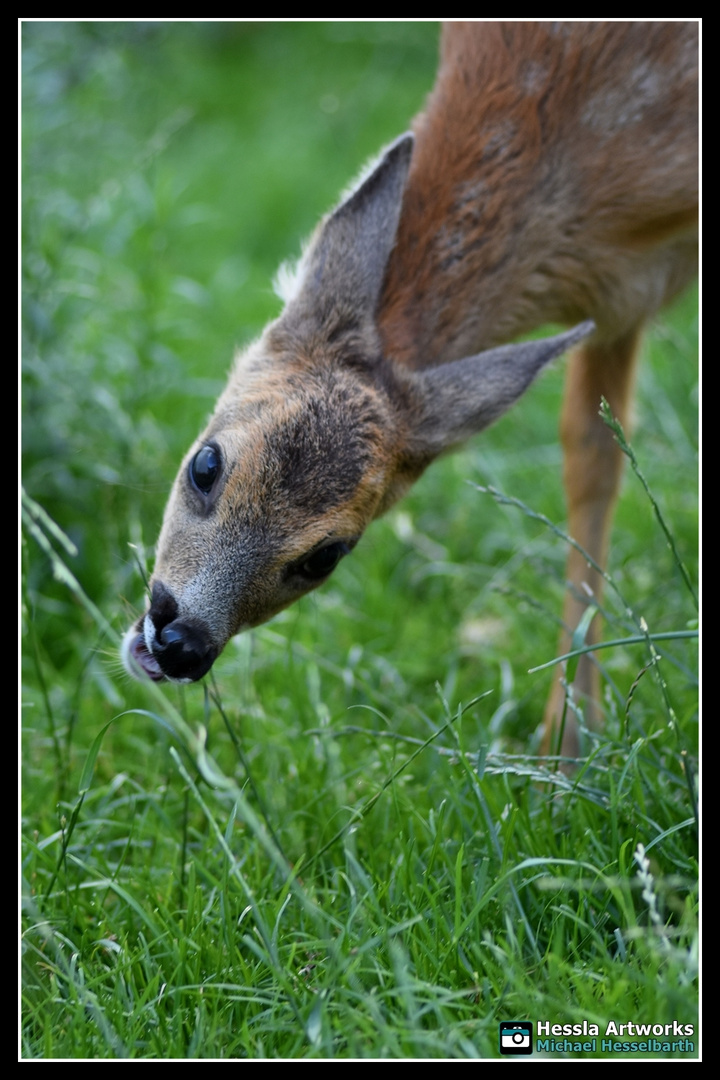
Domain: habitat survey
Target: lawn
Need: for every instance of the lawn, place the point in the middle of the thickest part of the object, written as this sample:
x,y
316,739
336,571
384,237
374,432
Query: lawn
x,y
341,844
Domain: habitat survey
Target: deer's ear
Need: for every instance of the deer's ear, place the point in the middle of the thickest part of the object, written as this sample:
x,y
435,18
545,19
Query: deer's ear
x,y
459,399
346,261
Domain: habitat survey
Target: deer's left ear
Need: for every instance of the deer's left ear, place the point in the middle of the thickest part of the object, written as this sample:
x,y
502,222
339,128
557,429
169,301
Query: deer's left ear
x,y
458,399
344,266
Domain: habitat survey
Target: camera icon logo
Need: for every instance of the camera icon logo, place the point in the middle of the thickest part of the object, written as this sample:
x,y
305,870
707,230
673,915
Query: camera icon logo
x,y
516,1037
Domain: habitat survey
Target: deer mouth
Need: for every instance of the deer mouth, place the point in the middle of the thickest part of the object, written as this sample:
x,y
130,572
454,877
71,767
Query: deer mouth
x,y
161,646
137,658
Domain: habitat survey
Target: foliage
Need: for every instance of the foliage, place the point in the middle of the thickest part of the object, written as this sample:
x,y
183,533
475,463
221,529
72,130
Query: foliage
x,y
340,845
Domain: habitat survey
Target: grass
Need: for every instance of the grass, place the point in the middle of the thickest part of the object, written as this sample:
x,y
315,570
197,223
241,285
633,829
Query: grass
x,y
337,846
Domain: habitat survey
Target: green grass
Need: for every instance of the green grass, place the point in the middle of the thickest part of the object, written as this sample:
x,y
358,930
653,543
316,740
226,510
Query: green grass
x,y
337,847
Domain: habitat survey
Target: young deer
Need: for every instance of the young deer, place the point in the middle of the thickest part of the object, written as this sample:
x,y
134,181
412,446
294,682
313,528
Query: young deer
x,y
551,178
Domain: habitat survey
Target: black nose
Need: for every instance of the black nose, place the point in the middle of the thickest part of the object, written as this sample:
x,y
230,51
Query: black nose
x,y
182,647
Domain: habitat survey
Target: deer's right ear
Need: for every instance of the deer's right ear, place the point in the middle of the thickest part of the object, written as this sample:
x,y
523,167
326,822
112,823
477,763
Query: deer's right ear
x,y
459,399
346,261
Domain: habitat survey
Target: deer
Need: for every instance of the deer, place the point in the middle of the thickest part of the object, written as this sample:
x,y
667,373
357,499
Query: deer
x,y
550,179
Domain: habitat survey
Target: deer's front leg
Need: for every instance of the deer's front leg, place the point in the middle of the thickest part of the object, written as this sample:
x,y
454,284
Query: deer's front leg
x,y
592,472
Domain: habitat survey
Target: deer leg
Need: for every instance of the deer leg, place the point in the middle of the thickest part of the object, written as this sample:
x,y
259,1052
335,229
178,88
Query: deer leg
x,y
592,472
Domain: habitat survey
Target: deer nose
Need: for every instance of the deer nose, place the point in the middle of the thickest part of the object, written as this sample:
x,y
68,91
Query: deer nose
x,y
182,647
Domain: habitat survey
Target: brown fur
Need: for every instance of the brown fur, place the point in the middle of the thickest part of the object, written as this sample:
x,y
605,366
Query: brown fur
x,y
553,177
575,196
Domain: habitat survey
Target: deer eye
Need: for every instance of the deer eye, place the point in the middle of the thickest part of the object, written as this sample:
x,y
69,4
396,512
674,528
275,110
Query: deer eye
x,y
322,562
204,469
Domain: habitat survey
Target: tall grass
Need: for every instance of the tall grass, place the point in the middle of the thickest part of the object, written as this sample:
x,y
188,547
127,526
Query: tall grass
x,y
337,846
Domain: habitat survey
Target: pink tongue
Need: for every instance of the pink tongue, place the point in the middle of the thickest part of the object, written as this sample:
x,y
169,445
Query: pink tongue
x,y
145,659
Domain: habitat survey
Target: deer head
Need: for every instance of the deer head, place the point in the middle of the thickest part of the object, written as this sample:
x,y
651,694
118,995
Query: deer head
x,y
316,434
